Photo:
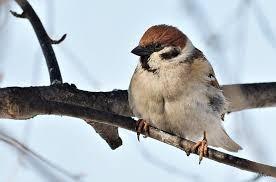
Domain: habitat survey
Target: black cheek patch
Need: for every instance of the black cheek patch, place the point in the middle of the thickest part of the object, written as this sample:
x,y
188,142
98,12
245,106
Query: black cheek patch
x,y
171,54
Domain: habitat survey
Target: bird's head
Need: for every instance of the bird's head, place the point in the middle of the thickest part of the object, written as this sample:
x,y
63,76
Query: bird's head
x,y
162,43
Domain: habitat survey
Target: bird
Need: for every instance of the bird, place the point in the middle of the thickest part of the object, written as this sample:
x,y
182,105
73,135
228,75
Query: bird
x,y
174,89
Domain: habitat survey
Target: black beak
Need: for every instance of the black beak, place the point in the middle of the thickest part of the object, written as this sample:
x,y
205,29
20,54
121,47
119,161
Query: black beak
x,y
141,51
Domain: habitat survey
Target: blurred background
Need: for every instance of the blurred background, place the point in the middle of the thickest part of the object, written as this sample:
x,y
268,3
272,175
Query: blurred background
x,y
238,38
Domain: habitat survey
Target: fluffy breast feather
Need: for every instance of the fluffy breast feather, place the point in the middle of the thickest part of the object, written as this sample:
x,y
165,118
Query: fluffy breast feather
x,y
175,88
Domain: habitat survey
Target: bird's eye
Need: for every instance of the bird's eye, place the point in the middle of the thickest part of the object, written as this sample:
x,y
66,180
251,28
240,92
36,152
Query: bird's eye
x,y
157,47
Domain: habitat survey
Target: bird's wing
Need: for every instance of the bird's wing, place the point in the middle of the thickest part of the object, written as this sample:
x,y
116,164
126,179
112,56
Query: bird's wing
x,y
214,83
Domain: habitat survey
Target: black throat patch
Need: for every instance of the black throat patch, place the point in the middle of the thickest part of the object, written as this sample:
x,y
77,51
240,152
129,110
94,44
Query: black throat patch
x,y
145,65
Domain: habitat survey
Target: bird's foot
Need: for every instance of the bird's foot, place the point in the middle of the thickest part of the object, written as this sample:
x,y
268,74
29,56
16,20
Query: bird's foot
x,y
142,126
201,147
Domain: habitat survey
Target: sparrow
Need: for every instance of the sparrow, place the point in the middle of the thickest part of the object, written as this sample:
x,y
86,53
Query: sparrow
x,y
174,89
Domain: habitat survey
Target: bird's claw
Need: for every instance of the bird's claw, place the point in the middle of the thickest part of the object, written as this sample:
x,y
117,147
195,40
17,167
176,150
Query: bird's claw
x,y
142,126
201,147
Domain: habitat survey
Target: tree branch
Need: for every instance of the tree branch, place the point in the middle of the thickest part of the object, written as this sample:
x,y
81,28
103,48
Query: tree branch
x,y
44,40
108,133
249,96
240,96
23,106
112,108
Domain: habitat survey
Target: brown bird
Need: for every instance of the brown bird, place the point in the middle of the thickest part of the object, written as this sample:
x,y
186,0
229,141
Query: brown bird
x,y
174,89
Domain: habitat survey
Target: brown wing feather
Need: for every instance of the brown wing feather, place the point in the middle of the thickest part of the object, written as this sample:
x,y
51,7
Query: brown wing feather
x,y
214,83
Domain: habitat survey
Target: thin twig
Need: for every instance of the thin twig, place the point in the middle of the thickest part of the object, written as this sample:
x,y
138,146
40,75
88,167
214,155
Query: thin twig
x,y
264,24
4,14
150,157
44,40
107,133
26,150
130,124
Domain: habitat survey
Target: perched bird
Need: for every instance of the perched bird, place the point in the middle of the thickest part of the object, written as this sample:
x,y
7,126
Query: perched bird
x,y
174,89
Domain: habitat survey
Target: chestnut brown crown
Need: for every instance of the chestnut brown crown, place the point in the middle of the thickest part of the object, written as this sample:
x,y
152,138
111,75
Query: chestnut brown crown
x,y
165,35
159,36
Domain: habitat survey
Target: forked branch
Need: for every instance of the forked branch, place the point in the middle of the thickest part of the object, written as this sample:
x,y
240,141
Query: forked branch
x,y
44,40
22,107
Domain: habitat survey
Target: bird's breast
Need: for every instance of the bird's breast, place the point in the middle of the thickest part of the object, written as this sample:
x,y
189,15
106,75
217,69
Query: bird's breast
x,y
157,97
145,95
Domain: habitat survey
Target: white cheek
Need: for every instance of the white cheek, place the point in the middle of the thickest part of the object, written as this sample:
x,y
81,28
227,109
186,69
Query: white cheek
x,y
155,56
154,60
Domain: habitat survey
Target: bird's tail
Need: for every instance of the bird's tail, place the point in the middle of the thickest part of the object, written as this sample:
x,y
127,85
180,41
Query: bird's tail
x,y
220,138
